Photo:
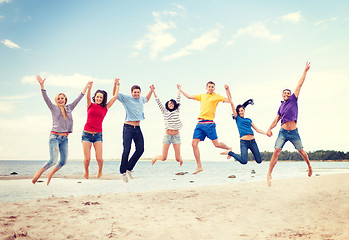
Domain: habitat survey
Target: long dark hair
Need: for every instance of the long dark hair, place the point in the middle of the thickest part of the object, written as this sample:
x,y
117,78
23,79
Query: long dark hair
x,y
244,105
176,105
105,96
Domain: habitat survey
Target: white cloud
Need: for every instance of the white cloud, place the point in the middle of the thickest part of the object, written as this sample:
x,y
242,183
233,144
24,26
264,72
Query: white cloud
x,y
10,44
295,17
73,81
4,1
157,38
324,23
198,44
2,17
257,30
18,97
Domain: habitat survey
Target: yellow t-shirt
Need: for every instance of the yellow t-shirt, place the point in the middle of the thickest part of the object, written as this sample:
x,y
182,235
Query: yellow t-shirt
x,y
208,105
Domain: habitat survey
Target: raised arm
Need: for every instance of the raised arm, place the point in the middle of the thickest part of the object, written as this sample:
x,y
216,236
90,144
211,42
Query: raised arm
x,y
185,94
88,84
41,82
257,129
88,95
227,90
115,93
152,88
301,81
273,124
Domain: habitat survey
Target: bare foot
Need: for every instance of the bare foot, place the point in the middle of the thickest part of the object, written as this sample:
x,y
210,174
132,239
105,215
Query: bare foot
x,y
310,172
36,177
225,152
181,162
153,161
269,180
99,175
86,175
198,170
49,177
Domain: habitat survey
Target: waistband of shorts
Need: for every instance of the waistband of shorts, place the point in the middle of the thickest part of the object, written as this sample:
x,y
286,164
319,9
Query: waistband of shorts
x,y
92,133
285,130
203,121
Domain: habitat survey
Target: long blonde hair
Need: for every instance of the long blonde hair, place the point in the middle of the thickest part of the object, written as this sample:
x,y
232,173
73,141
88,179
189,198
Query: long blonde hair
x,y
63,110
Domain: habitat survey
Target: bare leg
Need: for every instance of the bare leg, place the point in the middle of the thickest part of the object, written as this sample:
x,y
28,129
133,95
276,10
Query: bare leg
x,y
87,157
220,145
195,144
306,159
272,164
177,149
50,174
37,175
99,157
163,157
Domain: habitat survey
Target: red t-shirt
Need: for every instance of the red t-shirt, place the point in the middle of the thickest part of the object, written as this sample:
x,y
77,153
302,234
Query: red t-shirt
x,y
95,116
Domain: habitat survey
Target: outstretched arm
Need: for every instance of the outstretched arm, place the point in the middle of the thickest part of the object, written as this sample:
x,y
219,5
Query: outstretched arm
x,y
227,90
257,129
88,95
301,81
152,88
185,94
115,93
273,124
41,82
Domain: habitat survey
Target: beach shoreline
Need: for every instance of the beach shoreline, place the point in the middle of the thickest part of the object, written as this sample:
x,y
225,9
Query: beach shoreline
x,y
300,208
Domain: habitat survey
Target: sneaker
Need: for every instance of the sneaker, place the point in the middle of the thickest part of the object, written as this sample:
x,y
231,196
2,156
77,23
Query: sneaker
x,y
124,177
129,174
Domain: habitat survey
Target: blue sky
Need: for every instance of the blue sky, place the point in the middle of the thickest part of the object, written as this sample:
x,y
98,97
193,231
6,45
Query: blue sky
x,y
257,48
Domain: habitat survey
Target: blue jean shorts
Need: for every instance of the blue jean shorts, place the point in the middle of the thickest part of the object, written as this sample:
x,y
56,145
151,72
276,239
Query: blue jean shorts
x,y
205,130
91,137
174,139
289,135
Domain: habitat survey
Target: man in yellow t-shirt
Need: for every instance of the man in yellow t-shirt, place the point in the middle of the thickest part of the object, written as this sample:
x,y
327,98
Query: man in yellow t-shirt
x,y
206,126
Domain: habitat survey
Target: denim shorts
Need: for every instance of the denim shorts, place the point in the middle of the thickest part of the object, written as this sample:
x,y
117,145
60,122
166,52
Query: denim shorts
x,y
91,137
174,139
289,135
205,130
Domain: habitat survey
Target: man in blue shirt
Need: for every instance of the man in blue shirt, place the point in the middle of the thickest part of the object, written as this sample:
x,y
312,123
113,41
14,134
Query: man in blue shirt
x,y
132,131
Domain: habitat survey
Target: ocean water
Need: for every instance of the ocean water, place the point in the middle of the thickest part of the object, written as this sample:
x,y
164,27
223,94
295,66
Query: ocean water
x,y
161,176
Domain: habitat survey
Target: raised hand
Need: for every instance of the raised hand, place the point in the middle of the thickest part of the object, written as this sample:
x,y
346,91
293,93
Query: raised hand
x,y
179,87
307,66
116,81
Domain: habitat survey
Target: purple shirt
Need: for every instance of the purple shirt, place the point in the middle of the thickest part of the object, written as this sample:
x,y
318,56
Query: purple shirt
x,y
288,111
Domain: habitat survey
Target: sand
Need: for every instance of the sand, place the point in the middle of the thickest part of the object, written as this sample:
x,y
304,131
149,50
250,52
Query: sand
x,y
302,208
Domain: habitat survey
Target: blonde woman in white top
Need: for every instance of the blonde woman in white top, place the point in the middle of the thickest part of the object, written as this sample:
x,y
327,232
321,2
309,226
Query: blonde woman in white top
x,y
170,113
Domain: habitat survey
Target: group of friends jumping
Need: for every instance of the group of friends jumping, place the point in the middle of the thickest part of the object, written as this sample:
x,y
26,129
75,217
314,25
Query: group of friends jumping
x,y
98,106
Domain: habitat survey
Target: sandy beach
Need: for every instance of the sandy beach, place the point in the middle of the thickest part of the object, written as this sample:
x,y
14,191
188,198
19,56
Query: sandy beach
x,y
302,208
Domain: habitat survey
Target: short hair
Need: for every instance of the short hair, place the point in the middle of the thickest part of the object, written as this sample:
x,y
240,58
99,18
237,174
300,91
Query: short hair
x,y
176,105
135,87
210,82
286,89
105,96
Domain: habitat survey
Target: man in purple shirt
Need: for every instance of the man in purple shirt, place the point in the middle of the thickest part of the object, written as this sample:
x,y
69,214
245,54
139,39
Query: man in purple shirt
x,y
288,113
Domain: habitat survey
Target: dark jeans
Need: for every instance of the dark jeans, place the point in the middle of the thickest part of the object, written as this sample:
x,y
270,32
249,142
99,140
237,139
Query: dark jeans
x,y
244,146
131,133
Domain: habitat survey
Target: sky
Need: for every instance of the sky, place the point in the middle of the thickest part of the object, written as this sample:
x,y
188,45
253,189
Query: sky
x,y
256,47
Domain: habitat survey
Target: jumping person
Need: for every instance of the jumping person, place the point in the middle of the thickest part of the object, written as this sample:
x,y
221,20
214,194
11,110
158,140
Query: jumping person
x,y
62,125
288,113
206,126
92,133
132,131
245,125
172,125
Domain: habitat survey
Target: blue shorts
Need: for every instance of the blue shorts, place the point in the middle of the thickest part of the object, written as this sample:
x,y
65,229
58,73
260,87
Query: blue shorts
x,y
91,137
174,139
289,135
205,130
